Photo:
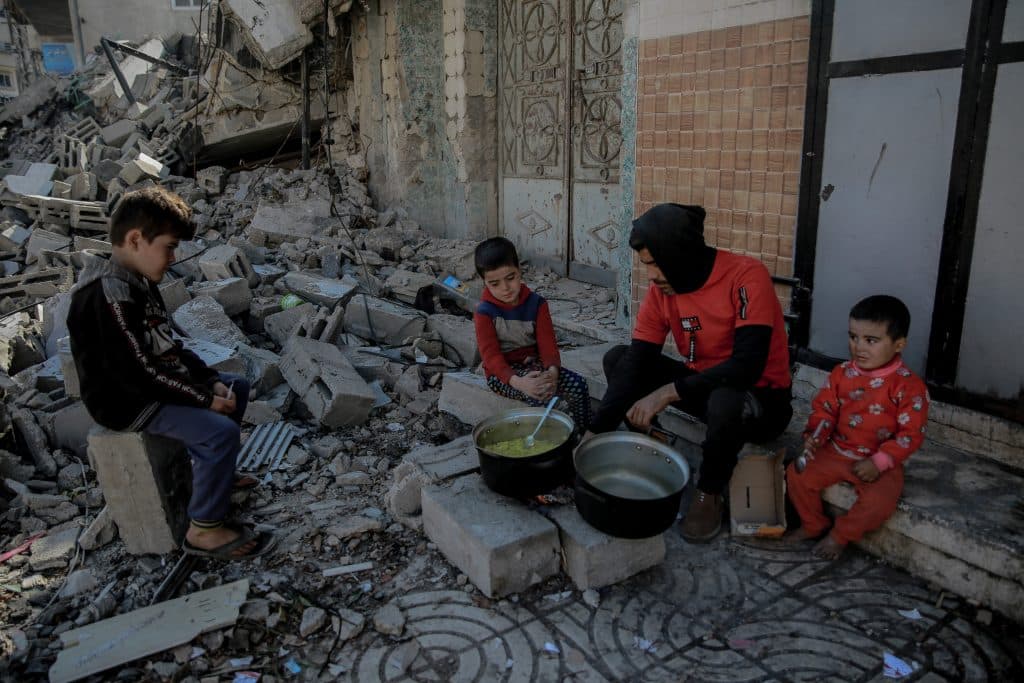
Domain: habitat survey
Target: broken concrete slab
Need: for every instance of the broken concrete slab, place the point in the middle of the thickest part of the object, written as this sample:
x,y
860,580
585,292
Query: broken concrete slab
x,y
276,33
594,559
146,481
423,466
499,543
105,644
44,239
118,132
142,167
233,294
467,397
382,321
281,326
100,532
204,318
406,285
275,223
54,550
35,441
326,382
321,290
459,337
174,294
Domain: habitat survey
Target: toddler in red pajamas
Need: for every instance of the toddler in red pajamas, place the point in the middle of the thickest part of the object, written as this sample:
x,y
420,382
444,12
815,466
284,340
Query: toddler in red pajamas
x,y
868,418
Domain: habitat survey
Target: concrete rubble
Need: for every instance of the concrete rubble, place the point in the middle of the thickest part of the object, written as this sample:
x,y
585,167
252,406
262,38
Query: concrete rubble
x,y
294,280
327,304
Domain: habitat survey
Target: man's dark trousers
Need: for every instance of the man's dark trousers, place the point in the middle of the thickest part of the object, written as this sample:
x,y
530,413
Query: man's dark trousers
x,y
731,422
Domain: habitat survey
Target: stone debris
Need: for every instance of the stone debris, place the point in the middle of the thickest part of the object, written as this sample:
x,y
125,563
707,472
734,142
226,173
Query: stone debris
x,y
296,280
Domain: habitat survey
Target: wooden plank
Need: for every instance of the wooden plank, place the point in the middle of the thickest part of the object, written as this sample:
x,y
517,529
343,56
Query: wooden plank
x,y
108,643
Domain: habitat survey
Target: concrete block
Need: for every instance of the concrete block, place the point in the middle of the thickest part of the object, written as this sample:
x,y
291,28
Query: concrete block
x,y
323,325
71,427
466,396
261,368
174,294
427,465
13,237
54,550
268,273
116,133
61,190
321,290
84,186
499,543
275,223
204,318
459,338
142,167
369,366
259,310
212,179
281,326
146,481
225,261
326,383
106,170
594,559
405,285
72,387
233,294
382,321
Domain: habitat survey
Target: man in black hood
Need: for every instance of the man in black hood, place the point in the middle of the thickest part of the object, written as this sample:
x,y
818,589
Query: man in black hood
x,y
722,311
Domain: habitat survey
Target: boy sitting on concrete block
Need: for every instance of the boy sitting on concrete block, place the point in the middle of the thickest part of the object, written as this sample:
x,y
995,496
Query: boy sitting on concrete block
x,y
135,376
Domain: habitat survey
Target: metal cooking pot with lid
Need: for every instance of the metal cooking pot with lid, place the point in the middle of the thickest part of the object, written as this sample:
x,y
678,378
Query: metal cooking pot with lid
x,y
528,475
629,485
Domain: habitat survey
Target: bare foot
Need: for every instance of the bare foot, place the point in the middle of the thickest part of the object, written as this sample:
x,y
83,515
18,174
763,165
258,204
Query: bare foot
x,y
829,548
799,535
208,539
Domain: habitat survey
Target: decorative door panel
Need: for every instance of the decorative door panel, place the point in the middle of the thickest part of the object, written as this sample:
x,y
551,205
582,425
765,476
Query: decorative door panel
x,y
560,75
596,139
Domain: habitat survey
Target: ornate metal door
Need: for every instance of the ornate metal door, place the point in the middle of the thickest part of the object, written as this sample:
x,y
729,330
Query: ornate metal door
x,y
561,70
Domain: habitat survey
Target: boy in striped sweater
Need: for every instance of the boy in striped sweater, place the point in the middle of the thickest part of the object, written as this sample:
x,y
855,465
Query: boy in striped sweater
x,y
517,338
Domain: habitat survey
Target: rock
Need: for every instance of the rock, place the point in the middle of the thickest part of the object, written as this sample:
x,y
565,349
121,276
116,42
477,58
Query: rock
x,y
313,619
70,477
78,582
351,624
592,598
389,620
353,525
101,532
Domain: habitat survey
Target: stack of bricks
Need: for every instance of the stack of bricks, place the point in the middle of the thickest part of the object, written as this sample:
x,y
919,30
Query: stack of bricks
x,y
720,124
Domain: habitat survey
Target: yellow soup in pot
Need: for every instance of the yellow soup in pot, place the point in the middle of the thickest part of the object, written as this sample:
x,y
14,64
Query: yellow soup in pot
x,y
516,448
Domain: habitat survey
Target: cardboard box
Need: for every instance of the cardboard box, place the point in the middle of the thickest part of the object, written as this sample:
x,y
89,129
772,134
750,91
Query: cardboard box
x,y
757,493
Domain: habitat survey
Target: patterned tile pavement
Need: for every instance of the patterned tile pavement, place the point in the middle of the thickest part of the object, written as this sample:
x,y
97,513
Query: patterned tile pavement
x,y
733,610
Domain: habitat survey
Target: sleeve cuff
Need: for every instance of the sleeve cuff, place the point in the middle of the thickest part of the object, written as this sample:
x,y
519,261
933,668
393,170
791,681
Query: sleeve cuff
x,y
883,461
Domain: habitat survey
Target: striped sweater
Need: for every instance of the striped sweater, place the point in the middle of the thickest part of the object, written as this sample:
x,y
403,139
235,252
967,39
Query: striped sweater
x,y
514,334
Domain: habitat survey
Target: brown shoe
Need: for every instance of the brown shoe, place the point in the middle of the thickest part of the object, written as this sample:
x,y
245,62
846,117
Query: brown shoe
x,y
703,520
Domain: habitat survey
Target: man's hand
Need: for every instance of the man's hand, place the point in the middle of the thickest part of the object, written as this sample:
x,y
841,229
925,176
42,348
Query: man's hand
x,y
866,470
535,384
644,410
223,405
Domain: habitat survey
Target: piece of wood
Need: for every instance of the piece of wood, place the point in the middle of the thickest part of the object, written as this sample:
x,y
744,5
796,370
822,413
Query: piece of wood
x,y
108,643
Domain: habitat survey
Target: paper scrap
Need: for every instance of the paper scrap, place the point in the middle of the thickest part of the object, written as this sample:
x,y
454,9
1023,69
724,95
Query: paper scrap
x,y
910,613
240,661
894,667
644,644
552,648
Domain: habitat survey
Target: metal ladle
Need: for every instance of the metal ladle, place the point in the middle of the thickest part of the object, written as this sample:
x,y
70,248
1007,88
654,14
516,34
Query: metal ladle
x,y
530,440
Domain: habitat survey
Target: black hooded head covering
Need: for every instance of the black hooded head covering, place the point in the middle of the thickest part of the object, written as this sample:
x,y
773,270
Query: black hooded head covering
x,y
674,234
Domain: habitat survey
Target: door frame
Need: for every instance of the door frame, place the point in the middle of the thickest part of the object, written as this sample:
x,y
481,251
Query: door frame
x,y
979,59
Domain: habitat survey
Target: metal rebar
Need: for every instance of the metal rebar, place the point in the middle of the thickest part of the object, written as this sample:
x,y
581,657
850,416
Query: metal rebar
x,y
117,70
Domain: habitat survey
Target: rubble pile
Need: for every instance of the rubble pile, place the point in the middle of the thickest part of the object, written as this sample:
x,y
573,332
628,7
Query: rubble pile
x,y
295,280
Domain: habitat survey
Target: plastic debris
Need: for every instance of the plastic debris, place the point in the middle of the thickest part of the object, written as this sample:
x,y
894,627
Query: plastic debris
x,y
910,613
293,667
552,648
245,677
240,661
894,667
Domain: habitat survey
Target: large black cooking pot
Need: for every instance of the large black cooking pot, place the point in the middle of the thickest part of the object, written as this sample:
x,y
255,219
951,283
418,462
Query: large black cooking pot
x,y
525,476
629,485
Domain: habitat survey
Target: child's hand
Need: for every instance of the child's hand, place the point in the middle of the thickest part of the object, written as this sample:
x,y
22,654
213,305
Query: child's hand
x,y
811,446
866,470
222,405
220,389
534,384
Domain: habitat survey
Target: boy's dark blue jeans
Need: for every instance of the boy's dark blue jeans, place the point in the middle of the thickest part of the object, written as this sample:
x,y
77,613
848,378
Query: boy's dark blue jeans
x,y
213,441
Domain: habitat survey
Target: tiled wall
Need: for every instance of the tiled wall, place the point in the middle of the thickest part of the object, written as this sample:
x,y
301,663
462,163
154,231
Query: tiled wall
x,y
720,124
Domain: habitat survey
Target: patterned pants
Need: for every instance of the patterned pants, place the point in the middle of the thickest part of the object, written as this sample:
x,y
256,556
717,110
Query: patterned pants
x,y
572,389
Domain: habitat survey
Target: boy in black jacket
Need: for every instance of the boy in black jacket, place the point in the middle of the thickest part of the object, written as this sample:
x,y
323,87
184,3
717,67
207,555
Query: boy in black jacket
x,y
135,376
